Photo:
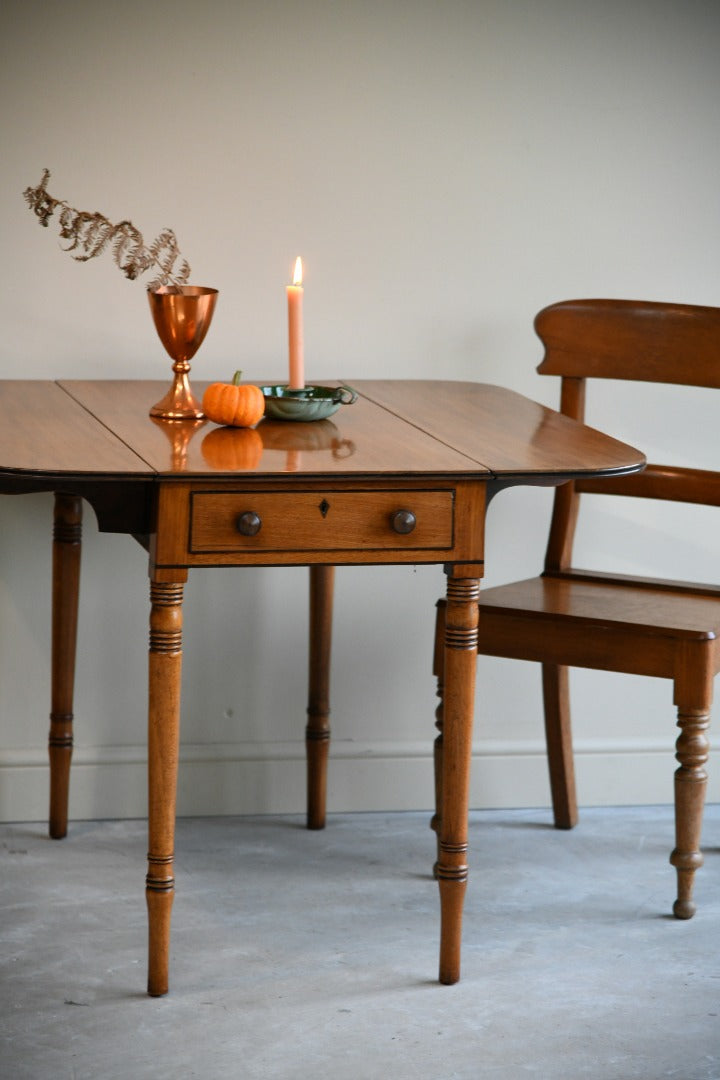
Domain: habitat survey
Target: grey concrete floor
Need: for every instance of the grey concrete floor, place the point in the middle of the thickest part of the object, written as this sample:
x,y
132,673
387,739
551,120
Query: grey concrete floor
x,y
298,954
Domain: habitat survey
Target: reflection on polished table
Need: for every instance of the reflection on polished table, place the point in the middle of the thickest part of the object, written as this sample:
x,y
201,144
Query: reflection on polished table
x,y
402,476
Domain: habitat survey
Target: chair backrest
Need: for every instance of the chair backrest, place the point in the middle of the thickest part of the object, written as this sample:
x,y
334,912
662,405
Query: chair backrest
x,y
632,340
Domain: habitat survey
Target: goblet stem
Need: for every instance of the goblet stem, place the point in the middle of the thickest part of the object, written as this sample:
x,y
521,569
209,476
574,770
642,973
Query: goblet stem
x,y
179,403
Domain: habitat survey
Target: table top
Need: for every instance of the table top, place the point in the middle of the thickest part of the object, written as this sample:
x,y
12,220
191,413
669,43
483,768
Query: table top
x,y
53,432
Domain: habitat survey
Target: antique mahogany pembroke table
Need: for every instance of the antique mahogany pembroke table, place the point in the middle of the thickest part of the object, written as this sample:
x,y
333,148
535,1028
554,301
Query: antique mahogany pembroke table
x,y
402,476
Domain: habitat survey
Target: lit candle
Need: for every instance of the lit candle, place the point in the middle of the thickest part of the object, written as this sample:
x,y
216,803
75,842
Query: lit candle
x,y
295,329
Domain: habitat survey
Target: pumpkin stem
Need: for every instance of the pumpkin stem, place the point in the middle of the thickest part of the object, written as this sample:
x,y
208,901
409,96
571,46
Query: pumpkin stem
x,y
237,378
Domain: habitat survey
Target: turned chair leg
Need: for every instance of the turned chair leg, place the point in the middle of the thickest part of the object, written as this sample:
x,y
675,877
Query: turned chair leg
x,y
317,732
691,751
67,541
558,740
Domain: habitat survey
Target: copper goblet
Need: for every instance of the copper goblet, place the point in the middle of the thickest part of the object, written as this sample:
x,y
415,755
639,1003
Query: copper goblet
x,y
182,316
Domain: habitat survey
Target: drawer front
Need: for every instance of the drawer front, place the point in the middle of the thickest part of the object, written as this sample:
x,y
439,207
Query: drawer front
x,y
267,521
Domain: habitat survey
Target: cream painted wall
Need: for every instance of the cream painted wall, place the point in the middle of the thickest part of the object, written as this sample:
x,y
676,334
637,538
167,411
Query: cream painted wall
x,y
445,169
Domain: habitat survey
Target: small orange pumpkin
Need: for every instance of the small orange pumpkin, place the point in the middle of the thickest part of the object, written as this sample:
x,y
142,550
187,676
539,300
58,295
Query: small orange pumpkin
x,y
233,404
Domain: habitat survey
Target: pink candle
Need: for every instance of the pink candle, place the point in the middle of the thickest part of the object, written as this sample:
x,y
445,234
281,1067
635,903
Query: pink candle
x,y
295,329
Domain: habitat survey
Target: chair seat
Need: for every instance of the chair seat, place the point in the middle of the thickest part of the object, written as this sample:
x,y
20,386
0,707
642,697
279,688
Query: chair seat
x,y
598,622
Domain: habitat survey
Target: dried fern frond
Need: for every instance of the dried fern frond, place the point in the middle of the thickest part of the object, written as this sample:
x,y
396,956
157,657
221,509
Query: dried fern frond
x,y
42,204
88,234
129,252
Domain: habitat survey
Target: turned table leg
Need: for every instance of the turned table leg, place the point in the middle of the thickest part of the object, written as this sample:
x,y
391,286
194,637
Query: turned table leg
x,y
439,673
165,661
317,732
67,542
460,665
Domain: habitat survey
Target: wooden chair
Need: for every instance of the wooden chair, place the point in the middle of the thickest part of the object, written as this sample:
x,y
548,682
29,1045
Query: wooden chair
x,y
575,618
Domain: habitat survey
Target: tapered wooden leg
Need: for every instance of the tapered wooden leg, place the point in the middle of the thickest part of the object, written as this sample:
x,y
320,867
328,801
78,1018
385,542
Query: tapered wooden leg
x,y
163,746
461,640
558,739
67,542
317,732
439,673
690,785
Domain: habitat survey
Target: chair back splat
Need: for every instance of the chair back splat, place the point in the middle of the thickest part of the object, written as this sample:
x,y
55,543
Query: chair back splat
x,y
641,341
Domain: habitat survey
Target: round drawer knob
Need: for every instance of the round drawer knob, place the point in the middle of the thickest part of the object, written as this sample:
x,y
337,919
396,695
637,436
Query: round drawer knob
x,y
403,521
249,523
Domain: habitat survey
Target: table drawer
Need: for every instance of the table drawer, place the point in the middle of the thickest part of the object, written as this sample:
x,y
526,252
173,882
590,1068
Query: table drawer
x,y
321,520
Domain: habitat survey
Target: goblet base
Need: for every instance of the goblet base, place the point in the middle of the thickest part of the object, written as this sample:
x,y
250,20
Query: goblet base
x,y
179,403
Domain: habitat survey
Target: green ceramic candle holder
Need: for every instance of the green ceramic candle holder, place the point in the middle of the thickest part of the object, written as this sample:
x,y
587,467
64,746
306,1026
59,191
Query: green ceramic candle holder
x,y
310,403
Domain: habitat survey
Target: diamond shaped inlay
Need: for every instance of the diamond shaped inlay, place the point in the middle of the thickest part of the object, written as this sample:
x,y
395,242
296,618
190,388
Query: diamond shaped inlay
x,y
324,507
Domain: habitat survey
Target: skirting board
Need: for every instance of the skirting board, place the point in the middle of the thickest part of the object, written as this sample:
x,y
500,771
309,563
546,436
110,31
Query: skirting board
x,y
257,778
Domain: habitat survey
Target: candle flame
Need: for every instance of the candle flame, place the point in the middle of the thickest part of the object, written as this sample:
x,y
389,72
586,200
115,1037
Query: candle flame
x,y
297,275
